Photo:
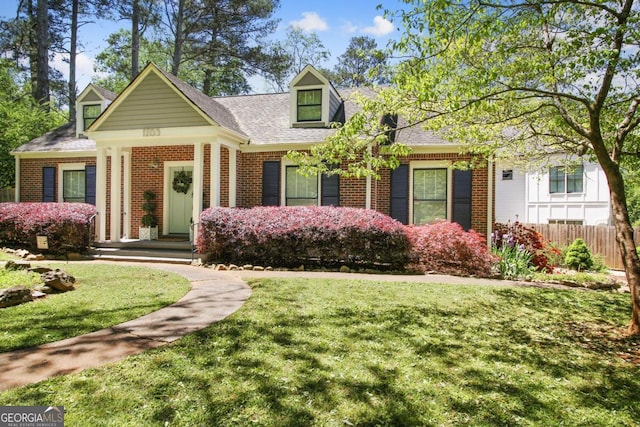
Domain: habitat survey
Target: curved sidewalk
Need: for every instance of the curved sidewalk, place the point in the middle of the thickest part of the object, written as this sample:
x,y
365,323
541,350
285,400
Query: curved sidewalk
x,y
213,296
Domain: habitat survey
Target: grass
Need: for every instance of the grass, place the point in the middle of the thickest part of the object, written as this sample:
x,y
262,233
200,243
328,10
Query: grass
x,y
105,295
336,353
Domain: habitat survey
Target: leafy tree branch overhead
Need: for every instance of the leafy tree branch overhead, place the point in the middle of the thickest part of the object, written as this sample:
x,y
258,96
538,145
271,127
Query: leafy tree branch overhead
x,y
521,80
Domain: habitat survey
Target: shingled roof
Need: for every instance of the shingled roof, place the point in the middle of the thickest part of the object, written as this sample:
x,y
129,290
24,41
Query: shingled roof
x,y
62,139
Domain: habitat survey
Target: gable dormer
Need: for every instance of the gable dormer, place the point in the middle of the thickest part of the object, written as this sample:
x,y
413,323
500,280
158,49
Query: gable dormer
x,y
89,105
314,102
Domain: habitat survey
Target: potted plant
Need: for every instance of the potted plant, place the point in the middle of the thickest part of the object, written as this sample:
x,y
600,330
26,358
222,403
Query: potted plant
x,y
149,229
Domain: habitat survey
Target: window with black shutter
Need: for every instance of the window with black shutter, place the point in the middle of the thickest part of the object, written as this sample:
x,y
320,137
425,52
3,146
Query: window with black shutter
x,y
48,184
271,183
400,194
462,198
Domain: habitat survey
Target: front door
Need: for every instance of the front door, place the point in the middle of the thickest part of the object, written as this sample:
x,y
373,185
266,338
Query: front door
x,y
180,199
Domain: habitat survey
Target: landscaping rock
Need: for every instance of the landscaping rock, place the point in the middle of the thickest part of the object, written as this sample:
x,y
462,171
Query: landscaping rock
x,y
37,294
34,257
40,270
44,289
258,268
602,286
58,280
17,265
571,283
233,267
221,267
14,296
22,253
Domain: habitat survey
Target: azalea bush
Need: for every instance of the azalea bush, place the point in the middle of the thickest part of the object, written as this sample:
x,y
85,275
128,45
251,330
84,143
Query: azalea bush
x,y
526,239
309,235
446,248
66,226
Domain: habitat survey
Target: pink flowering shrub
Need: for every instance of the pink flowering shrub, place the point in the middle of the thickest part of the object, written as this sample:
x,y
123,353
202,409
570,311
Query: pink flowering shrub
x,y
66,225
291,236
446,248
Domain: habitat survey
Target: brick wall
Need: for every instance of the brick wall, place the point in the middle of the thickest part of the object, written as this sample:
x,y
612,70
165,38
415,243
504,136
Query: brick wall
x,y
31,175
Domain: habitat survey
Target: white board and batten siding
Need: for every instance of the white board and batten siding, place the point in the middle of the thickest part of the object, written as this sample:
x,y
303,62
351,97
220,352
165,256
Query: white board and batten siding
x,y
526,198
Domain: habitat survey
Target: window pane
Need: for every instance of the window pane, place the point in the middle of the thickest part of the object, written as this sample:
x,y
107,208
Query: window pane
x,y
574,180
73,186
309,105
309,113
556,179
90,113
429,195
300,190
429,212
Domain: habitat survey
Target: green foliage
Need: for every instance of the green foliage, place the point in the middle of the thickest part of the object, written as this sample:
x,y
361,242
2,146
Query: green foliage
x,y
362,64
149,207
21,120
514,263
578,256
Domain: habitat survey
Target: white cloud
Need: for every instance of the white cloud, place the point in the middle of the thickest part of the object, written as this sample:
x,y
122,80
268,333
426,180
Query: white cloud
x,y
84,68
310,22
349,27
380,27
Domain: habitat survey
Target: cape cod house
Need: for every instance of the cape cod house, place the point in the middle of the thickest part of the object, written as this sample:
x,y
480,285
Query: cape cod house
x,y
230,151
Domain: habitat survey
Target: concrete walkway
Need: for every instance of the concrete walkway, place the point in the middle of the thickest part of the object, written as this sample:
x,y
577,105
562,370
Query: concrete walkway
x,y
213,296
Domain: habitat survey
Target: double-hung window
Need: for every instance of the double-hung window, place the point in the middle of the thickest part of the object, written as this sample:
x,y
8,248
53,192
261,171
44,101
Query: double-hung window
x,y
309,104
563,180
89,114
429,195
300,190
73,186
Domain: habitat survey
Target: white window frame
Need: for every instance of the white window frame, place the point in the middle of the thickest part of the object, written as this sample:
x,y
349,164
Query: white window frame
x,y
62,167
431,164
283,183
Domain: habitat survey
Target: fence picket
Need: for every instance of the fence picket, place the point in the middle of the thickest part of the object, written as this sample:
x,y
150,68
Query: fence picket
x,y
600,239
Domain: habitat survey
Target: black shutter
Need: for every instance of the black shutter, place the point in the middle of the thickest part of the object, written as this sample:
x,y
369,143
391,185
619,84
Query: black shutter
x,y
90,184
330,188
271,183
48,184
462,198
400,194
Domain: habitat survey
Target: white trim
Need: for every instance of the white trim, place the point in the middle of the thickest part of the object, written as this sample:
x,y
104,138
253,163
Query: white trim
x,y
198,184
283,182
62,167
214,196
167,190
116,192
126,196
432,164
101,193
53,154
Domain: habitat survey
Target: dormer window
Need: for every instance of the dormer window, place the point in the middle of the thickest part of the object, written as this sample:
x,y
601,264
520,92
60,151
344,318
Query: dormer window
x,y
310,105
89,114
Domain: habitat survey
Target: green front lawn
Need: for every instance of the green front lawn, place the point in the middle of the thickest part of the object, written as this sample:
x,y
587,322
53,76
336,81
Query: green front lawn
x,y
105,295
340,353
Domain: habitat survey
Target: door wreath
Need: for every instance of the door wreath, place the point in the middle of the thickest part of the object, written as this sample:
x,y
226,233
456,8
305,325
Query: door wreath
x,y
181,182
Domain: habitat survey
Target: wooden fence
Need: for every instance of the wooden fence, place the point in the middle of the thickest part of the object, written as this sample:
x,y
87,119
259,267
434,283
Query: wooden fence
x,y
600,239
7,195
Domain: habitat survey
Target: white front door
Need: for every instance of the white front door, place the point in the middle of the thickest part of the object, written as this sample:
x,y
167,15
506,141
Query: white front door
x,y
180,203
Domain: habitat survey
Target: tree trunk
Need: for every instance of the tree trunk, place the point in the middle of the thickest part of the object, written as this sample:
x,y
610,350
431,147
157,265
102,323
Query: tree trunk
x,y
626,244
73,45
42,39
179,40
135,38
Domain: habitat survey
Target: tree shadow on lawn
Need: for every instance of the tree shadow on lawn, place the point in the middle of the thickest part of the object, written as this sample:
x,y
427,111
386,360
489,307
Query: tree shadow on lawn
x,y
395,365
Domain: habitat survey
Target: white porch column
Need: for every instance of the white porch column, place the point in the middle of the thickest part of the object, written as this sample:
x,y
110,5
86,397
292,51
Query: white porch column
x,y
232,177
215,174
198,180
126,196
101,193
116,193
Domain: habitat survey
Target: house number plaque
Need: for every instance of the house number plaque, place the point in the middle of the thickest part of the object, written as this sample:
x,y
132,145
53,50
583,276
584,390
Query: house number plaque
x,y
151,132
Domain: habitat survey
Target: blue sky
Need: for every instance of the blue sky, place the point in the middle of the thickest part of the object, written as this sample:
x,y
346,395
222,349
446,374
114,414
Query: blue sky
x,y
334,21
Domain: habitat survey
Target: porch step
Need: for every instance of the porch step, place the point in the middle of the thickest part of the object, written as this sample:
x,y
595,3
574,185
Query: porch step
x,y
177,252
